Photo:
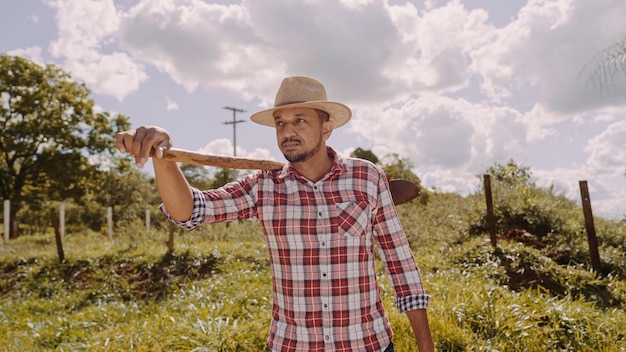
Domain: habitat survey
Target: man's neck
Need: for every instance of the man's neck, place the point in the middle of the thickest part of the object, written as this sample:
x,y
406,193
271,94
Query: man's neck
x,y
316,167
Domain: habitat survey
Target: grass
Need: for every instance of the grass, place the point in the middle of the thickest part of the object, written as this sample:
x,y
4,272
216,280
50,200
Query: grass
x,y
213,293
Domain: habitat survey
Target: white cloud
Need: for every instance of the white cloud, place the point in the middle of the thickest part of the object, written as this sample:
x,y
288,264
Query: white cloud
x,y
437,43
198,43
437,82
170,104
355,4
87,29
607,150
546,46
116,75
224,147
443,132
220,146
33,53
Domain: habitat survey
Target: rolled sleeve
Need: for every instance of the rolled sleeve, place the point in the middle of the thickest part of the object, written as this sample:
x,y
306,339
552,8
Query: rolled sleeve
x,y
406,303
197,214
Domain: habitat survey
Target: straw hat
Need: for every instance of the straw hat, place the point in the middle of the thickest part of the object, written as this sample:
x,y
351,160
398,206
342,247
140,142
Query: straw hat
x,y
303,92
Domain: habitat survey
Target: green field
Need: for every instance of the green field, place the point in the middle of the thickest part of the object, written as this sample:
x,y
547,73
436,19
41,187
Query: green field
x,y
213,292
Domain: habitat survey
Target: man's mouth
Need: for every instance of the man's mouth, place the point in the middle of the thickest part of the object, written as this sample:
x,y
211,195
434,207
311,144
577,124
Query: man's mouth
x,y
290,143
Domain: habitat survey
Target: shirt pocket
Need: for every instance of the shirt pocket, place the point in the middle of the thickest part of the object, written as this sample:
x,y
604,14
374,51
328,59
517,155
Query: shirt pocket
x,y
352,218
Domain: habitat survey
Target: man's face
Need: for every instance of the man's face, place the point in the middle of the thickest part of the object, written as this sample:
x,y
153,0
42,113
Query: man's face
x,y
301,133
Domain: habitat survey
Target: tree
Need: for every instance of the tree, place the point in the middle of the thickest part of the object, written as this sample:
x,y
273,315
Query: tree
x,y
364,154
223,176
124,188
197,176
519,205
401,168
49,130
510,174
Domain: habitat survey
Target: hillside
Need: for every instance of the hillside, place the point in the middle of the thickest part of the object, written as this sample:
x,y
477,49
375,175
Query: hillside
x,y
533,292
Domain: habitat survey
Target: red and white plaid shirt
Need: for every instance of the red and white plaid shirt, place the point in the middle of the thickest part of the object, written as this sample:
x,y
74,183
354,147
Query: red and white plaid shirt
x,y
321,238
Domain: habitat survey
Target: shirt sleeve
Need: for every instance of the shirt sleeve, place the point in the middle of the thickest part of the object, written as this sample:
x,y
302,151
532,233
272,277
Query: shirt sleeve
x,y
233,201
396,254
197,214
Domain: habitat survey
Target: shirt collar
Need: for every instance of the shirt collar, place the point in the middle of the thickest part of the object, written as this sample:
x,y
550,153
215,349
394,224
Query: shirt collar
x,y
338,165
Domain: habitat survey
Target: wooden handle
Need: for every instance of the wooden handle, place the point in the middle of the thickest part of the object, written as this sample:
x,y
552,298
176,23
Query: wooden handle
x,y
226,162
402,191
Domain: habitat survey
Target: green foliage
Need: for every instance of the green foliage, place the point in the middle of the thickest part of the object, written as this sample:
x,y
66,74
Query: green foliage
x,y
519,205
510,174
364,154
401,168
197,176
222,177
214,291
543,219
48,130
126,190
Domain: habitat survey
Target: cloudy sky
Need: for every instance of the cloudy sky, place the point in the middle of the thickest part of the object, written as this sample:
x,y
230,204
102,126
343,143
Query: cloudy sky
x,y
455,86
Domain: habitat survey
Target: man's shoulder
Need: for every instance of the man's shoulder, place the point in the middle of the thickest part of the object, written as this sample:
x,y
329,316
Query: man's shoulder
x,y
362,168
357,163
273,176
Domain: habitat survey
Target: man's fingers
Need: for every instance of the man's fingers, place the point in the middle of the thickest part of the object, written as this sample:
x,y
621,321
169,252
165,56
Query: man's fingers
x,y
141,142
119,141
163,146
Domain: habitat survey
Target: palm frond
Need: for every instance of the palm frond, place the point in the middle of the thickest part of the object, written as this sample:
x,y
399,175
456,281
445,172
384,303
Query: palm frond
x,y
603,68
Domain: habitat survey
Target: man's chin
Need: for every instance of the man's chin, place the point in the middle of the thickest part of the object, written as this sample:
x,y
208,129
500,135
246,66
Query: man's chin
x,y
295,157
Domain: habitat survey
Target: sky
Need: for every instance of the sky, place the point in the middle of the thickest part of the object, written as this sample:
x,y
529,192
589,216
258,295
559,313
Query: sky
x,y
453,86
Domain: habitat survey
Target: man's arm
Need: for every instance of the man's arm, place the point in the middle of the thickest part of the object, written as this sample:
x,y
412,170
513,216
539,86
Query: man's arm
x,y
173,189
421,329
170,180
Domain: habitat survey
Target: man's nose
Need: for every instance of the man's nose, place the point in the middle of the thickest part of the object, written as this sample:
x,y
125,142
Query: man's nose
x,y
290,130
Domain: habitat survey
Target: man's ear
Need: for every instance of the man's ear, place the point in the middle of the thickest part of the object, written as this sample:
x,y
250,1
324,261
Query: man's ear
x,y
327,129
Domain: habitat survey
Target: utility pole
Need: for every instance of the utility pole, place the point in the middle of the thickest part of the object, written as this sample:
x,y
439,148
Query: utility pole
x,y
234,122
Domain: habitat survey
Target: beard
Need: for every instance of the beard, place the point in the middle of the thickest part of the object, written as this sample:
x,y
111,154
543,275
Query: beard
x,y
304,156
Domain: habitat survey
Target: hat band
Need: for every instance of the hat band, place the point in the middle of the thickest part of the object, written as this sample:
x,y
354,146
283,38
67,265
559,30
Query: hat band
x,y
290,103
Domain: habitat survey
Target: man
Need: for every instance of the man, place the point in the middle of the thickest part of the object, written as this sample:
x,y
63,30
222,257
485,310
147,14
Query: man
x,y
321,215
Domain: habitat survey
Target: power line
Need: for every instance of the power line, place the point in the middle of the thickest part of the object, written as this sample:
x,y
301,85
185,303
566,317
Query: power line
x,y
234,122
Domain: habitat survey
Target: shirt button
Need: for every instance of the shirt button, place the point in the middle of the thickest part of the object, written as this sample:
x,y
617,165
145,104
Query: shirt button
x,y
323,274
327,338
320,213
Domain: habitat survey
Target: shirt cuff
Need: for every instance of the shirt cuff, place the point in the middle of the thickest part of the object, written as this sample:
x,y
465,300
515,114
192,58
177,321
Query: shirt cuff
x,y
419,301
197,214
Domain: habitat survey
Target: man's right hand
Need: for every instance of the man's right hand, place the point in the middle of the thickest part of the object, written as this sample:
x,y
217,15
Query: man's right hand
x,y
142,141
170,181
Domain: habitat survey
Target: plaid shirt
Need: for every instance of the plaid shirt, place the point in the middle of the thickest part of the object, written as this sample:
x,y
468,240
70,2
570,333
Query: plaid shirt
x,y
320,239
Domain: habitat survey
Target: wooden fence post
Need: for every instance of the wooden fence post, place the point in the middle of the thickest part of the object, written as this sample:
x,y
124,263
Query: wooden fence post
x,y
170,238
148,222
57,235
110,222
491,219
62,220
591,230
7,220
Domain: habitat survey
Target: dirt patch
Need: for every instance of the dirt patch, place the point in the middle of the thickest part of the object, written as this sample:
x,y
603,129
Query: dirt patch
x,y
156,280
107,277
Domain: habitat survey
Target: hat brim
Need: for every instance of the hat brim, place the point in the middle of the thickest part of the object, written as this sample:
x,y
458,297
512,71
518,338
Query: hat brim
x,y
339,113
